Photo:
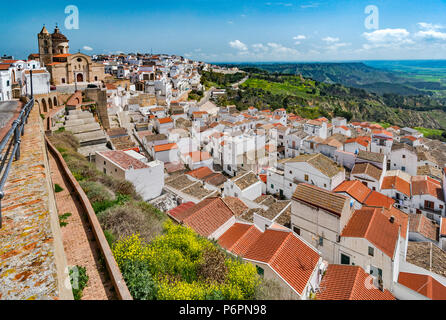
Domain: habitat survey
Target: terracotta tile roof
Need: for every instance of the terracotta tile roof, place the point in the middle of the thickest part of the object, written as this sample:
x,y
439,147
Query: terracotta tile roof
x,y
239,238
245,180
424,185
123,160
201,173
443,226
423,284
320,162
198,156
236,205
4,66
395,182
355,189
371,156
401,218
419,223
165,147
63,55
367,169
343,282
207,216
373,225
178,212
165,120
320,198
376,199
215,179
362,140
287,254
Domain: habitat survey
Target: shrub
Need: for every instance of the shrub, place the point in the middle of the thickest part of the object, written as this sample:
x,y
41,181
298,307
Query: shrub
x,y
63,219
79,279
139,280
96,191
57,188
185,266
110,237
123,221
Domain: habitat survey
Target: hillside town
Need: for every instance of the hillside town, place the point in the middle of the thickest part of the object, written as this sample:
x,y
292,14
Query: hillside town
x,y
331,209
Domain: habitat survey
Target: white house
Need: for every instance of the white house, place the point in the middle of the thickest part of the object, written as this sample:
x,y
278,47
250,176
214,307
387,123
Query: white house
x,y
404,157
245,185
166,152
148,178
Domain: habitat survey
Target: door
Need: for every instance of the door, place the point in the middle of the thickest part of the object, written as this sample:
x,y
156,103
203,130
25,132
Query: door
x,y
80,77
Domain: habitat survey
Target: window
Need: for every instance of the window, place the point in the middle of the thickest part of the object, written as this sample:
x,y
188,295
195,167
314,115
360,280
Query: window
x,y
105,171
296,230
429,205
403,169
105,163
307,177
404,156
272,186
371,251
321,241
345,259
260,271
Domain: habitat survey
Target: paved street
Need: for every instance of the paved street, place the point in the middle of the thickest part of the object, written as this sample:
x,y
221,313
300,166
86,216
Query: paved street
x,y
9,110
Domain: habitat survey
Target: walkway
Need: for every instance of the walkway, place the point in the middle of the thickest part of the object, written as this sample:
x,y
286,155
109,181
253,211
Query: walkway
x,y
79,241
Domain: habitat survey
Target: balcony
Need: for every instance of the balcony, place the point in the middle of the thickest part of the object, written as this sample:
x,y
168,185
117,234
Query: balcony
x,y
430,210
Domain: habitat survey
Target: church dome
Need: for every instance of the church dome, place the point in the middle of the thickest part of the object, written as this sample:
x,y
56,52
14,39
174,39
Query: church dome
x,y
58,36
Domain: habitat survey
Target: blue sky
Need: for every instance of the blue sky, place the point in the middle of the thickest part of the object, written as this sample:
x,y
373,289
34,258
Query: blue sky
x,y
236,31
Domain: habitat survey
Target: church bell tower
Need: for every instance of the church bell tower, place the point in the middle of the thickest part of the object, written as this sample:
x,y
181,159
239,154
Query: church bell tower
x,y
45,46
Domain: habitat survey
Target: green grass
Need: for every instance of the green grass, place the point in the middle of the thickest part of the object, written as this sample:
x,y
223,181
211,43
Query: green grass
x,y
429,132
79,279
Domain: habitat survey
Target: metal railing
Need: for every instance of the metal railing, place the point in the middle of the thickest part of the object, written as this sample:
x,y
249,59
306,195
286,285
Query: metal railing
x,y
11,141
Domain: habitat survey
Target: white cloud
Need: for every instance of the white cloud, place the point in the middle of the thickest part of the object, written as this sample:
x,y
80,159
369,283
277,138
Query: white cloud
x,y
87,48
429,26
259,47
280,50
300,37
311,5
330,39
387,38
431,35
237,44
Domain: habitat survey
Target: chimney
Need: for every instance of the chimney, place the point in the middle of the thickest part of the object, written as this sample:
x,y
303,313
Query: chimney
x,y
392,219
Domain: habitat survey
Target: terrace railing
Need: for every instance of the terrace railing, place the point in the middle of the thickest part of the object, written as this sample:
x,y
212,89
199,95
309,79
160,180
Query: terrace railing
x,y
10,147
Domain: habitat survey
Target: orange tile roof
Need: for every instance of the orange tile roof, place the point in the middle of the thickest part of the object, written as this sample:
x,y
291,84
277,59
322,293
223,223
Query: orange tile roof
x,y
207,216
423,284
419,223
177,212
239,238
123,159
4,66
362,140
343,282
200,173
355,189
63,55
373,225
376,199
198,156
401,218
425,185
287,254
395,182
443,226
165,147
165,120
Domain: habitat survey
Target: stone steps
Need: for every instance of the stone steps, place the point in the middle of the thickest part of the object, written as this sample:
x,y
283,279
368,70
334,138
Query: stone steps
x,y
91,138
84,128
79,122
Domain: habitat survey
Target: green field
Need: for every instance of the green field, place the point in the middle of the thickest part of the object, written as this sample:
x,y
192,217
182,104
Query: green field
x,y
429,132
302,90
